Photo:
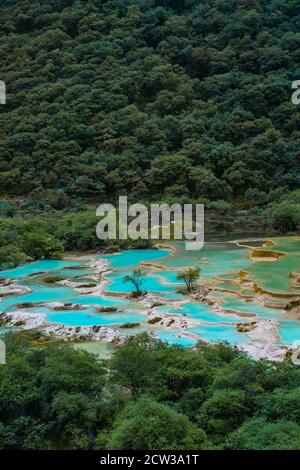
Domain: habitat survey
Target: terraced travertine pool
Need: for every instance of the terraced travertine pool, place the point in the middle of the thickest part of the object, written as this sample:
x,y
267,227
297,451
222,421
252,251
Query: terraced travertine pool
x,y
222,264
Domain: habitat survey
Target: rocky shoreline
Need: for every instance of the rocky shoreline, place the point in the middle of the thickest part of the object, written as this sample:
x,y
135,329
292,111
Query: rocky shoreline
x,y
261,334
37,321
9,289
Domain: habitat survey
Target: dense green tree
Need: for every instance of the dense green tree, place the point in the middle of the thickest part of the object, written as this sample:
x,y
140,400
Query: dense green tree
x,y
38,244
147,396
223,412
188,93
11,256
136,368
149,425
258,434
282,404
285,216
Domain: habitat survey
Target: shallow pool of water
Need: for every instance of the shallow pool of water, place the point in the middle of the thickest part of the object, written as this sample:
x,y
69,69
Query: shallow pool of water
x,y
131,258
37,267
173,338
233,302
274,276
220,333
216,259
90,317
289,331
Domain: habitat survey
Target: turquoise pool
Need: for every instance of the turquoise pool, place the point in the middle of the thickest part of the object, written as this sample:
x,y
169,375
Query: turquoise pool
x,y
216,259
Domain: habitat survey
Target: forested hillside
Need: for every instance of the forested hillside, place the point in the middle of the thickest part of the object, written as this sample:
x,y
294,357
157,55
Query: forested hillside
x,y
156,98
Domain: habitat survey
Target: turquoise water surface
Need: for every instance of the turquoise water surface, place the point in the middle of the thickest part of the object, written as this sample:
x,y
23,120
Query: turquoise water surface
x,y
132,258
90,317
150,283
232,302
220,333
36,267
289,331
175,338
199,311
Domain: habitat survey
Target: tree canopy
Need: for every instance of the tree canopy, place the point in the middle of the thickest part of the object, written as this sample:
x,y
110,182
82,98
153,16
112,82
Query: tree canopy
x,y
150,98
147,396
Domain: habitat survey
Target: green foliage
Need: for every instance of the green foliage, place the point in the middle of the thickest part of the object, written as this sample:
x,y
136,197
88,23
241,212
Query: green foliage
x,y
189,276
285,216
258,434
7,209
221,207
49,236
147,396
11,256
149,425
47,396
223,412
135,368
153,99
37,244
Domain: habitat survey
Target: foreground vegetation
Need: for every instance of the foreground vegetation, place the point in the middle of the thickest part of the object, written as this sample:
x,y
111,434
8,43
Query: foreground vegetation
x,y
155,98
148,396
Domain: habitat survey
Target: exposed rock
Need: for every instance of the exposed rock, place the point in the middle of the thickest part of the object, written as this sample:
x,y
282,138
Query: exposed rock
x,y
87,285
152,301
168,319
245,327
73,268
99,266
68,306
293,309
265,351
28,305
39,273
52,279
164,246
295,276
107,309
264,330
29,321
87,288
154,320
205,297
129,325
269,243
271,304
157,303
13,289
293,304
265,255
96,328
